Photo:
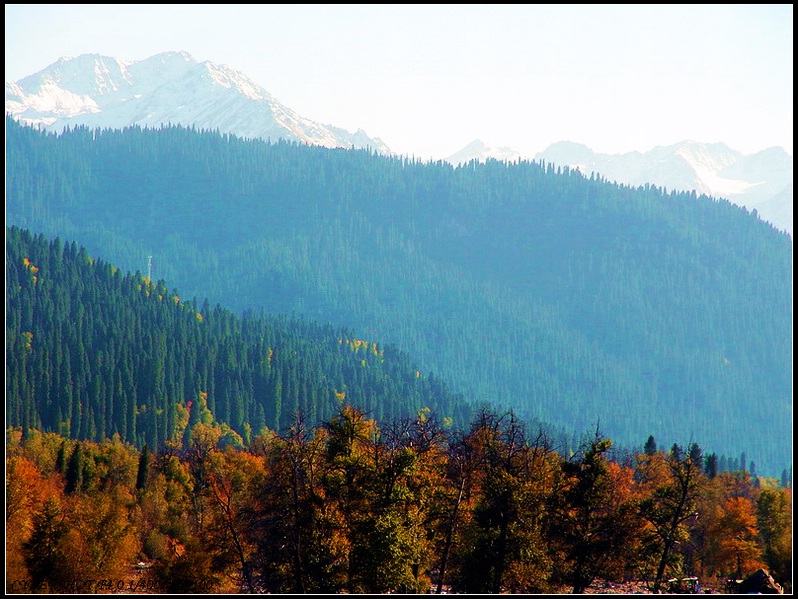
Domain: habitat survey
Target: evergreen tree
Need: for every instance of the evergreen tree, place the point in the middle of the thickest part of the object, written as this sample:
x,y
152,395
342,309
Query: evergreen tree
x,y
711,466
60,460
650,447
143,474
594,527
75,469
43,555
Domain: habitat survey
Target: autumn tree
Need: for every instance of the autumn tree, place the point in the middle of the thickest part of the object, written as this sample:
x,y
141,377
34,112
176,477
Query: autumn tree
x,y
774,521
590,524
366,478
298,537
101,540
231,480
737,535
500,545
200,544
167,523
27,491
671,505
317,504
455,490
409,466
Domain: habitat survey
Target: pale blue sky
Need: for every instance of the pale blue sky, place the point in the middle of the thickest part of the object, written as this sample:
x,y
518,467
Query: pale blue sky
x,y
428,79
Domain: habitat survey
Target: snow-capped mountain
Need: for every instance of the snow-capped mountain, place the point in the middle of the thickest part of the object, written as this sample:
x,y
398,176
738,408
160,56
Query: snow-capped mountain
x,y
168,88
479,151
761,181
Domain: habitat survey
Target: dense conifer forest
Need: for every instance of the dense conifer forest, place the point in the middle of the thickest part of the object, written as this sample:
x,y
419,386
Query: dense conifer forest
x,y
568,298
92,352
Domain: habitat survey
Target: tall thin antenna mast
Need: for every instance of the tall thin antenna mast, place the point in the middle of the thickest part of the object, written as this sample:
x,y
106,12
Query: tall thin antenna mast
x,y
149,268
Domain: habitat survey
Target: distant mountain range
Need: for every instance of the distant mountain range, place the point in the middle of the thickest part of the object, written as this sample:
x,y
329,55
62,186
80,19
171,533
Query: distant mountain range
x,y
168,88
173,88
761,181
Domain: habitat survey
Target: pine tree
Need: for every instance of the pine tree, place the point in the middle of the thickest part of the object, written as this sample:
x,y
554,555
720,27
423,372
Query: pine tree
x,y
74,473
43,555
143,473
651,446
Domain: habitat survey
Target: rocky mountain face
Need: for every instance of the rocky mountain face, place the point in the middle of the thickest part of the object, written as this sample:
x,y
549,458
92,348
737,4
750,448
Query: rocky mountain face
x,y
169,88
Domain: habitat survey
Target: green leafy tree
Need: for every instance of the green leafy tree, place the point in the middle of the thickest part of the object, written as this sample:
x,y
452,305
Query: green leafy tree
x,y
774,521
501,544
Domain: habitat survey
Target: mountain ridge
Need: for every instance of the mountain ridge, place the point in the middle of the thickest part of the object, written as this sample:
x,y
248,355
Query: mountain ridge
x,y
761,181
168,88
173,88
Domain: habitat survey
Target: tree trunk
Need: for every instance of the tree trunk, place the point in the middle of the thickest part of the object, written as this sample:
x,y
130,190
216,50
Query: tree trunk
x,y
449,533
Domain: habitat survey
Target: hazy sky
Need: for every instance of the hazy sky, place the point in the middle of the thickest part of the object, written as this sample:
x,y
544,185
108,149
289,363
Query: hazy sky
x,y
429,79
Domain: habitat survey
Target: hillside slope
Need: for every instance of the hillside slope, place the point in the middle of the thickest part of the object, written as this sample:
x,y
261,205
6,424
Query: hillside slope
x,y
573,300
92,352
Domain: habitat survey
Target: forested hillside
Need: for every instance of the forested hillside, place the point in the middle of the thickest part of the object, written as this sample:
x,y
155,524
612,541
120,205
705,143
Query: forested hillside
x,y
570,299
92,352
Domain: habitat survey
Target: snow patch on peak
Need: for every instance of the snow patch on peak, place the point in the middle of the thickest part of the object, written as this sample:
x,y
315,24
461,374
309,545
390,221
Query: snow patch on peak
x,y
231,79
176,54
105,83
13,89
713,157
707,161
59,102
756,182
478,150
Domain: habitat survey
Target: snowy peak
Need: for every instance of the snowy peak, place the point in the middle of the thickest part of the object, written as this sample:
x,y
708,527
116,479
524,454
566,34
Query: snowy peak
x,y
761,181
168,88
90,74
570,153
477,150
89,84
229,78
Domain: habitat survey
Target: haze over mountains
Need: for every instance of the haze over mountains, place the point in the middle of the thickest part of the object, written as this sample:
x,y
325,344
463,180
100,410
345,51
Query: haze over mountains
x,y
524,283
761,181
173,88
